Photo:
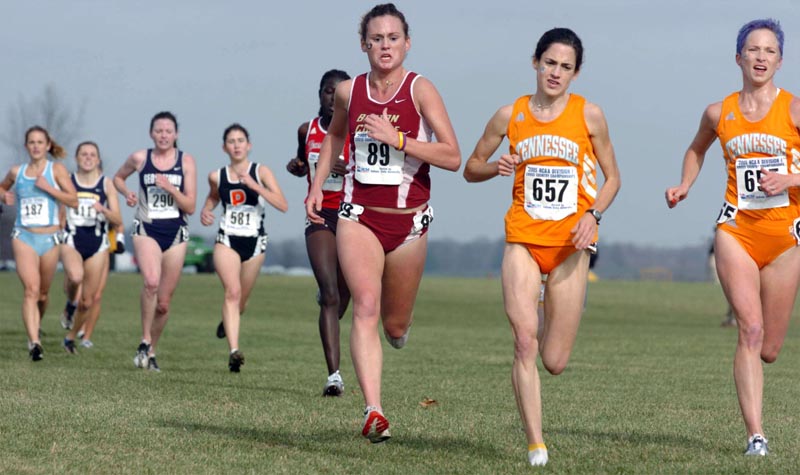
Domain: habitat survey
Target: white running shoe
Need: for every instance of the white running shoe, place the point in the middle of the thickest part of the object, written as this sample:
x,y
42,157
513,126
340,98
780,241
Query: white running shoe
x,y
538,457
152,365
397,343
376,427
140,360
335,386
87,343
757,445
66,320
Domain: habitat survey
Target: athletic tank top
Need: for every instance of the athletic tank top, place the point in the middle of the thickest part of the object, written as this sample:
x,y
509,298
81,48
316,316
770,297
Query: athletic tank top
x,y
242,208
772,143
556,182
377,174
332,188
154,202
85,216
35,208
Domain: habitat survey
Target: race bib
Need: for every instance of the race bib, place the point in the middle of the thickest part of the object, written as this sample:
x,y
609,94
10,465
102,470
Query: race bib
x,y
84,214
242,220
377,163
796,230
161,204
350,211
551,193
422,220
334,182
749,193
727,213
34,211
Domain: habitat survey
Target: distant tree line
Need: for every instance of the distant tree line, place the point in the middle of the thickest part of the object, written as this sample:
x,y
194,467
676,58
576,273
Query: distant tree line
x,y
482,258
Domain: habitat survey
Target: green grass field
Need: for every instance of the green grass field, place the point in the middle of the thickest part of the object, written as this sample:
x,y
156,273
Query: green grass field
x,y
649,389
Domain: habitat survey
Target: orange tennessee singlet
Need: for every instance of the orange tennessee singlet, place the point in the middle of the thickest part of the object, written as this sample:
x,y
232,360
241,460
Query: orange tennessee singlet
x,y
556,182
772,143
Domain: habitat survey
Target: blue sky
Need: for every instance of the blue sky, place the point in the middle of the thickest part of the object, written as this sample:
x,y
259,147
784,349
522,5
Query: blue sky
x,y
652,66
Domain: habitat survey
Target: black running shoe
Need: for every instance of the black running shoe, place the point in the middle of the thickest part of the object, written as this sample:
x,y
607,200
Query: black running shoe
x,y
37,352
152,365
220,330
69,346
235,361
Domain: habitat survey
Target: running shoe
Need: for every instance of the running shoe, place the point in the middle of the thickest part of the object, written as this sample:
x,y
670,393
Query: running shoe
x,y
538,457
87,343
120,249
66,320
757,445
235,361
69,346
152,365
140,360
335,386
220,330
67,316
376,427
36,352
397,342
729,322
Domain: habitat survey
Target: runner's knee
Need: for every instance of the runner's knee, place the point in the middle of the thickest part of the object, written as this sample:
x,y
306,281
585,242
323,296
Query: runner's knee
x,y
162,308
526,347
769,353
233,294
751,335
555,365
329,297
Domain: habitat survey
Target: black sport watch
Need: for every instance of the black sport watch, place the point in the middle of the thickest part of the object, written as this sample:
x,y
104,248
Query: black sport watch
x,y
597,215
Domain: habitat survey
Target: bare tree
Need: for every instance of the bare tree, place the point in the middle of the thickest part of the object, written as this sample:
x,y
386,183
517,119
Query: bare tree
x,y
51,111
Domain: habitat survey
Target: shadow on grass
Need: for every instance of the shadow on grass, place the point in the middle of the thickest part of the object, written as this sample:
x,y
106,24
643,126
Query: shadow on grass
x,y
450,445
321,441
230,384
324,441
638,438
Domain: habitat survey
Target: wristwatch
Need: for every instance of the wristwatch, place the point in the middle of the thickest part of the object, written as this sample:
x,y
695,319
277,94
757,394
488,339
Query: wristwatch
x,y
596,214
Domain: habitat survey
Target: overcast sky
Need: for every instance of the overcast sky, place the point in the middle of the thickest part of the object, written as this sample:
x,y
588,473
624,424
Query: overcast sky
x,y
652,66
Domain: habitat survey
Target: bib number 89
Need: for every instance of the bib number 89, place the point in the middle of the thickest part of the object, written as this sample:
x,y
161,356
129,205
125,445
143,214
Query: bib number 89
x,y
373,150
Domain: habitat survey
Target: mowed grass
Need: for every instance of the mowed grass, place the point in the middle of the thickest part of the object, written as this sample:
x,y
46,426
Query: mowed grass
x,y
649,389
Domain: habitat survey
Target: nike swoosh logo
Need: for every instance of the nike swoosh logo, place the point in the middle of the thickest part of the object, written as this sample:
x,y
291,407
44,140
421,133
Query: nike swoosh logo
x,y
398,101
